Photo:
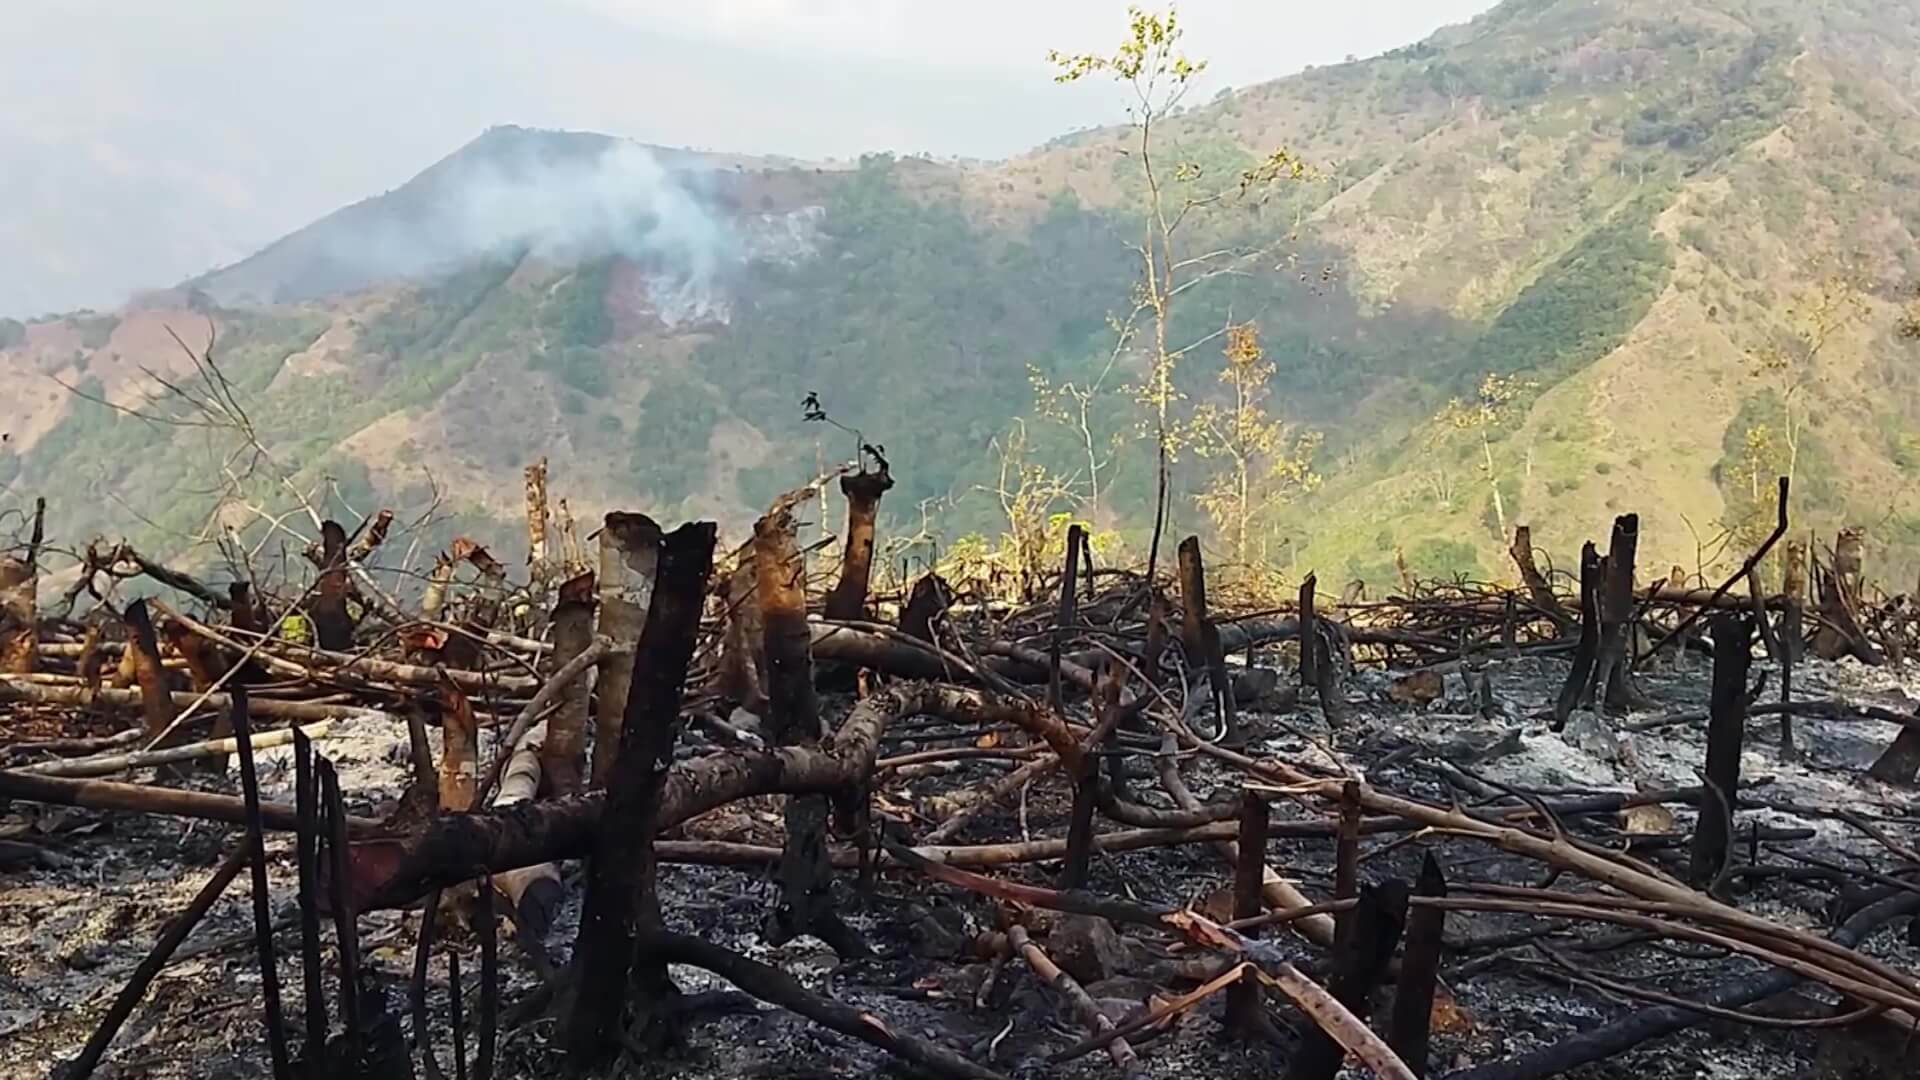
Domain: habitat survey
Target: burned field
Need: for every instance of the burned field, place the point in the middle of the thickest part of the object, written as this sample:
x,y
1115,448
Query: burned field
x,y
677,812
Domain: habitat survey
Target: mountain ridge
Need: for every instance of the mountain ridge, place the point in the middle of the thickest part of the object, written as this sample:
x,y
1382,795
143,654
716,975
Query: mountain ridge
x,y
1619,205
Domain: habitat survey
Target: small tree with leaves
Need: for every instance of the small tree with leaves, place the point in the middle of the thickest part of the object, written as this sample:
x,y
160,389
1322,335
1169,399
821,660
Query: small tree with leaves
x,y
1483,414
1791,360
1150,63
1261,461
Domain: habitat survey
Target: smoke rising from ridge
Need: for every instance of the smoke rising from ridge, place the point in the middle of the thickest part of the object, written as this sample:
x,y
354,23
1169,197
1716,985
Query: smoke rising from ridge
x,y
560,197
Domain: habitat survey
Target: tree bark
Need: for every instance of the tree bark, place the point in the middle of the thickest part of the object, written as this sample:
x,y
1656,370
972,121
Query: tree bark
x,y
930,598
459,734
1367,940
1726,727
1065,615
156,701
806,876
563,754
1246,999
332,625
1203,643
1542,593
1588,650
629,553
1411,1025
863,490
1616,613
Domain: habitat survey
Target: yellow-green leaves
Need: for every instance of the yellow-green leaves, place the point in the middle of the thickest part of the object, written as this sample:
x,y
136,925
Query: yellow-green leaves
x,y
1148,55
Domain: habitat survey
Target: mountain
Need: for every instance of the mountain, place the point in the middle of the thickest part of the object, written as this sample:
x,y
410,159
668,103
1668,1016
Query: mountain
x,y
1672,242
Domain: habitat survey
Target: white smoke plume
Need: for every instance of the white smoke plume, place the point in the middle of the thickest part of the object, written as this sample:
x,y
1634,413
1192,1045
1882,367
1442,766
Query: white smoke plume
x,y
556,196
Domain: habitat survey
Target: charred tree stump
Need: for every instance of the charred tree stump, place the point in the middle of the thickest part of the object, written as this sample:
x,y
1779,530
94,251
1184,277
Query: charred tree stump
x,y
459,735
489,981
806,875
346,930
1411,1025
629,553
262,902
1083,770
332,624
1156,645
1536,583
743,678
455,992
1586,653
1610,687
848,600
156,699
1361,955
1246,999
1329,666
1790,647
307,862
1066,614
1346,852
563,754
930,598
1726,727
1757,594
1840,633
1309,637
1201,639
19,604
622,902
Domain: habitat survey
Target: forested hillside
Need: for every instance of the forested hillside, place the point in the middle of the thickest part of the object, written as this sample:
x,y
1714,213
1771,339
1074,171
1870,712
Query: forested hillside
x,y
1572,259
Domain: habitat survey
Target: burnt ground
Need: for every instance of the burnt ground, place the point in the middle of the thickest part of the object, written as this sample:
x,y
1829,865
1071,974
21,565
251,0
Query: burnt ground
x,y
72,929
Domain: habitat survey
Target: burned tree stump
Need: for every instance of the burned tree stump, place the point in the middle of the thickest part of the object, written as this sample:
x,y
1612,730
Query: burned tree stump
x,y
1362,953
459,749
332,624
1067,613
1536,583
1726,728
863,490
1586,653
622,905
1309,637
806,877
931,597
156,698
1201,640
1246,999
1610,687
1411,1026
19,610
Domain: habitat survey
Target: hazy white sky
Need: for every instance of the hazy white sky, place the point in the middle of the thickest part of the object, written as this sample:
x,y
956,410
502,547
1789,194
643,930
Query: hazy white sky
x,y
143,143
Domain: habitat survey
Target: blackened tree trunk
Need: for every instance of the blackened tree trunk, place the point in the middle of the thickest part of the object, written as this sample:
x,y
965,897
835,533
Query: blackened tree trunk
x,y
1726,727
1587,651
622,903
806,875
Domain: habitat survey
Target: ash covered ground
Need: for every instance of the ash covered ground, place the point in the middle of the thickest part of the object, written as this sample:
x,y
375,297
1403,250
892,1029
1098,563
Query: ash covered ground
x,y
72,928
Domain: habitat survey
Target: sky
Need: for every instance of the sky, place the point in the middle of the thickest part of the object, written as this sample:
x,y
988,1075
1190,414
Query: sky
x,y
144,143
